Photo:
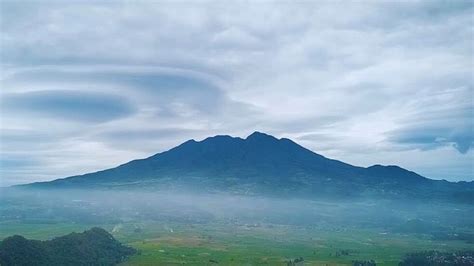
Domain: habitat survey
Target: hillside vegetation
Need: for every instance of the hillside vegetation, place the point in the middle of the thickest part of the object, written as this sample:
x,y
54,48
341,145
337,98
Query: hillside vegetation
x,y
92,247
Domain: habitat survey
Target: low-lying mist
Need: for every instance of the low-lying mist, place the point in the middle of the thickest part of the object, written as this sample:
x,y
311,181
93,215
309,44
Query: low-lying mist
x,y
170,207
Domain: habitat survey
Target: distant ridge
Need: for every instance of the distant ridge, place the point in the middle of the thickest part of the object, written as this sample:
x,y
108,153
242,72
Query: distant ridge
x,y
260,164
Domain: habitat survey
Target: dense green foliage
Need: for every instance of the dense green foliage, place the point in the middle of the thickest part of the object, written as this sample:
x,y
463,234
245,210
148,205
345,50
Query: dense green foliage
x,y
92,247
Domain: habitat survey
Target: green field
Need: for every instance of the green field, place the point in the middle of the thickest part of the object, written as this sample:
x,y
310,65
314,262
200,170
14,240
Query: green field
x,y
173,229
211,243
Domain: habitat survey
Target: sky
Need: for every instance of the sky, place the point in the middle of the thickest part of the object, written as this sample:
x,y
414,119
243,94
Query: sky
x,y
89,85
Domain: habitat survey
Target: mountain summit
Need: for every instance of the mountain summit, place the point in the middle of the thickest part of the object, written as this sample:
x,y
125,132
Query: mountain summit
x,y
258,164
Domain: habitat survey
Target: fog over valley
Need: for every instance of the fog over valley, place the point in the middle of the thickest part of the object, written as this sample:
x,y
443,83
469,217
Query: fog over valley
x,y
277,133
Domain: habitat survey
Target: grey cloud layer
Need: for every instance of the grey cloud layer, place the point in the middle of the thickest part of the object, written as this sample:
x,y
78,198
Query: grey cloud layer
x,y
66,105
445,119
350,80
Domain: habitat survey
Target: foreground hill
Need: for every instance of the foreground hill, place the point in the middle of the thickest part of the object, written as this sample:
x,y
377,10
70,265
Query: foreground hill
x,y
92,247
262,164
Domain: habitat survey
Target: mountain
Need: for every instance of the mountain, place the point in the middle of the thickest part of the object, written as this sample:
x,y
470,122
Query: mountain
x,y
92,247
258,164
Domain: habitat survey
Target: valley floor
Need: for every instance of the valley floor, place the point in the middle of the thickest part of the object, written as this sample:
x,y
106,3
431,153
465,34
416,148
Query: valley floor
x,y
248,244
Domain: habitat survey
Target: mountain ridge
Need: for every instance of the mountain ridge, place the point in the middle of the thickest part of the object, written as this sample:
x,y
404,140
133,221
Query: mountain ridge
x,y
257,164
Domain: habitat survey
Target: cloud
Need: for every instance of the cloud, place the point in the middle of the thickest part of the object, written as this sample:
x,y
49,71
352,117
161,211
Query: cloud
x,y
435,137
352,80
67,105
445,120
